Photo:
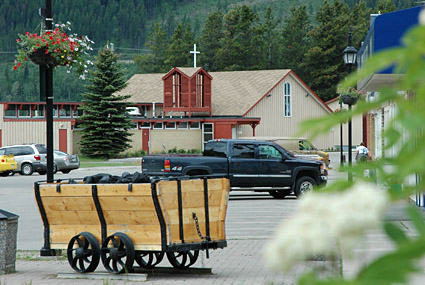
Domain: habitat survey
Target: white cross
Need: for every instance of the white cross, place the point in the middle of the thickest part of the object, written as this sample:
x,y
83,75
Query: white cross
x,y
194,55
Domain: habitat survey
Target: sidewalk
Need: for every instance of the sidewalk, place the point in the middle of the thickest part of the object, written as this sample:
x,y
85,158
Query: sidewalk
x,y
240,263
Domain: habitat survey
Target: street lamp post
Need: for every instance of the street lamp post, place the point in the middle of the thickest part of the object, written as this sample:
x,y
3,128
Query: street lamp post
x,y
350,59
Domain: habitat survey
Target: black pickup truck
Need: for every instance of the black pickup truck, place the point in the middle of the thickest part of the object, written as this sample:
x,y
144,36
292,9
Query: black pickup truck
x,y
258,165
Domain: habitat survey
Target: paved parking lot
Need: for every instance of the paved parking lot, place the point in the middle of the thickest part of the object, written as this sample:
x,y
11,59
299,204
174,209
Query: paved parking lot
x,y
250,223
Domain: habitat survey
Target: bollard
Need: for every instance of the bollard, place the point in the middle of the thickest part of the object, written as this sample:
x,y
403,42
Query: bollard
x,y
8,241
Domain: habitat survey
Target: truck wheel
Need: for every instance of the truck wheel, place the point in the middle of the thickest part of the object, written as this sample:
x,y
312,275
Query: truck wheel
x,y
305,184
279,194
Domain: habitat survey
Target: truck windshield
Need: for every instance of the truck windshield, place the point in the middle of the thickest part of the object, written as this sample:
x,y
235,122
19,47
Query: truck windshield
x,y
216,149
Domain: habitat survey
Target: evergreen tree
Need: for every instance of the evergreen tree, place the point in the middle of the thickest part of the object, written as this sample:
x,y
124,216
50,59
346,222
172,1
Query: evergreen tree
x,y
385,6
178,51
155,62
270,40
210,40
105,122
360,22
242,47
323,64
295,42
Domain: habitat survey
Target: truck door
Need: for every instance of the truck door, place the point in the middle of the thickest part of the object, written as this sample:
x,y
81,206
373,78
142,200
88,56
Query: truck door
x,y
272,170
243,167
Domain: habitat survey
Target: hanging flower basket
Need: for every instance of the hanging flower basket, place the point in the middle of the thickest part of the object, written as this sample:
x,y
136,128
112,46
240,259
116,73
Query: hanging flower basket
x,y
349,99
55,48
40,57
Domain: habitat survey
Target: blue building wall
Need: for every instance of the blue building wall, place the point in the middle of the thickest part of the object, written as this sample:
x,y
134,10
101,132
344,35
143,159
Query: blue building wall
x,y
387,31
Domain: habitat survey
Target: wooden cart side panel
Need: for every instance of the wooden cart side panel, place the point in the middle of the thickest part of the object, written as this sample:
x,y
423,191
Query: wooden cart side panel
x,y
132,213
123,189
69,211
190,231
142,236
66,190
223,209
62,203
193,202
62,234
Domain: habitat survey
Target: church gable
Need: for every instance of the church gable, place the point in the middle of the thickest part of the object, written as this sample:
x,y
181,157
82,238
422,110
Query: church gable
x,y
187,90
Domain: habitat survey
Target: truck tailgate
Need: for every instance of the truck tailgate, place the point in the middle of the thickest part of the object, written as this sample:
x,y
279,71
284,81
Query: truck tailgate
x,y
153,164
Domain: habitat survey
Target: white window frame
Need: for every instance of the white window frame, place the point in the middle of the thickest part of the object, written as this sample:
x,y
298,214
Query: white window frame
x,y
25,108
14,110
204,141
39,109
170,126
145,127
287,100
155,126
63,111
196,128
180,126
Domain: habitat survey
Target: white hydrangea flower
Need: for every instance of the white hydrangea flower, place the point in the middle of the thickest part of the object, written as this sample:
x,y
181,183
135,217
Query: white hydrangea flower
x,y
325,223
421,17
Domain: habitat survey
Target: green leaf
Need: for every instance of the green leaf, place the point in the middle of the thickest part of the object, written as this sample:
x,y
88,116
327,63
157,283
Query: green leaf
x,y
394,267
395,233
417,219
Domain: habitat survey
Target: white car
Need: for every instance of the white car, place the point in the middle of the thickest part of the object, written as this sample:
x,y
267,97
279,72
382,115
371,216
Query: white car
x,y
133,111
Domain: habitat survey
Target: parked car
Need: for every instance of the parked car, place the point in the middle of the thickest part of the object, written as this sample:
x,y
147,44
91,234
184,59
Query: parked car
x,y
65,162
133,111
28,157
7,164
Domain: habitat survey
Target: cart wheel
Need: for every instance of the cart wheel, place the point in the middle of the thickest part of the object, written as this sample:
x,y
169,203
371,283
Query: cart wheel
x,y
148,259
182,259
118,253
83,252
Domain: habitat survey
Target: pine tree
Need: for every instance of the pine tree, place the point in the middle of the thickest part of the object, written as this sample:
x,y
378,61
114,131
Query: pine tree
x,y
295,42
211,39
105,122
323,64
154,62
242,47
270,40
360,22
181,44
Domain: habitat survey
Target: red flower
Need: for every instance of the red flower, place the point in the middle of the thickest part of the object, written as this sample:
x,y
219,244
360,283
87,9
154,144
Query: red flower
x,y
47,51
15,67
38,44
19,64
51,38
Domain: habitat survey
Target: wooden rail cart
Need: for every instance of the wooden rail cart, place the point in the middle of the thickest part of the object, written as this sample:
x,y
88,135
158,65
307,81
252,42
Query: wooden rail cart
x,y
123,223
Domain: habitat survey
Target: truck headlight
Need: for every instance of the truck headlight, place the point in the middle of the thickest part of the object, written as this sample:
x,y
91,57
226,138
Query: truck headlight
x,y
323,169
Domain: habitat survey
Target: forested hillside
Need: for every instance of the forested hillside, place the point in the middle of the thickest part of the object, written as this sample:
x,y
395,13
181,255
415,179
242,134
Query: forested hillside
x,y
158,34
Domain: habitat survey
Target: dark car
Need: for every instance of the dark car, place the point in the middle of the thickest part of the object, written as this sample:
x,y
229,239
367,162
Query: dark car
x,y
65,162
